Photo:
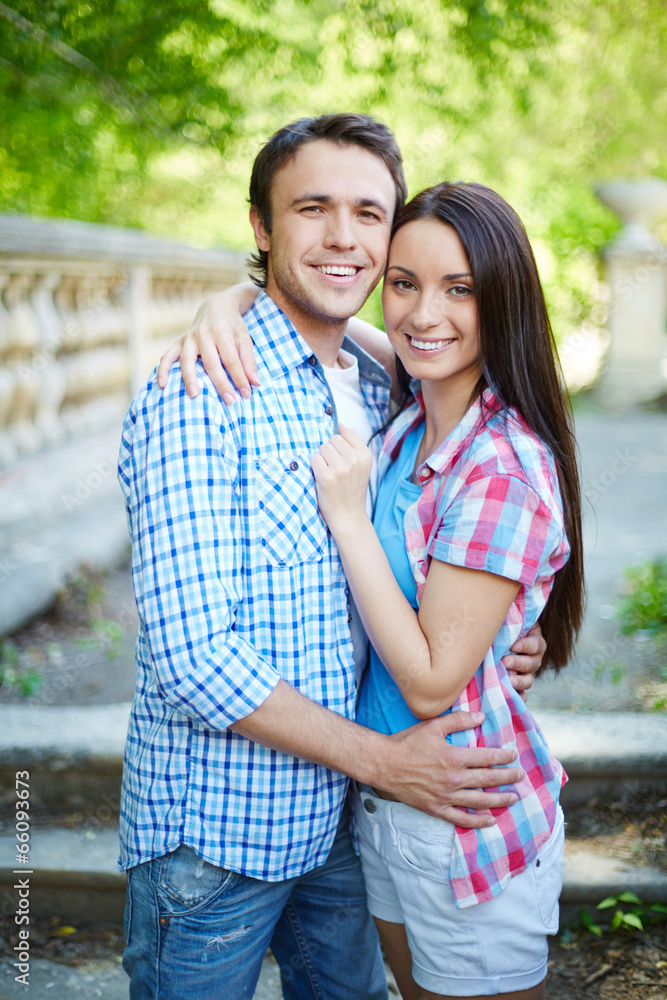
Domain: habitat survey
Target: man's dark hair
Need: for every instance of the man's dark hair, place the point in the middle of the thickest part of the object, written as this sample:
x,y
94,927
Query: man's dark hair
x,y
343,129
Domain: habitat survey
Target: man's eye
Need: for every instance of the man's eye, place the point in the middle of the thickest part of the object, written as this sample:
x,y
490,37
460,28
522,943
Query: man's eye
x,y
312,208
369,215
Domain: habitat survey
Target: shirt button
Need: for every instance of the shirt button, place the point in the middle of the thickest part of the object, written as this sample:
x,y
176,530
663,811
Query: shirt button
x,y
328,410
294,466
537,863
425,474
369,806
312,360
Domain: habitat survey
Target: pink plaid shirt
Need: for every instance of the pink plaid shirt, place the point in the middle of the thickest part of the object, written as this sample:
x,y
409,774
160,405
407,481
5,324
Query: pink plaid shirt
x,y
490,501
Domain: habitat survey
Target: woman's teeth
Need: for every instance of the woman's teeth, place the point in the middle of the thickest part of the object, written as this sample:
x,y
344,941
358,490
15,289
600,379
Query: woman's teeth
x,y
429,345
338,269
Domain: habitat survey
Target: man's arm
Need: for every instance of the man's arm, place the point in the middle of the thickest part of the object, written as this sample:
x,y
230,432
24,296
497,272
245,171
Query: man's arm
x,y
417,766
184,515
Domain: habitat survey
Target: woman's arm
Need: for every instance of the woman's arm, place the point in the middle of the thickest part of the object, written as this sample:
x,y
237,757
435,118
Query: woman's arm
x,y
431,655
220,337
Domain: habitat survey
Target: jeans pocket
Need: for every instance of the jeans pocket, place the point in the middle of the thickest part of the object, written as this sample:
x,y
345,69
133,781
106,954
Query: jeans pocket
x,y
291,528
189,880
548,874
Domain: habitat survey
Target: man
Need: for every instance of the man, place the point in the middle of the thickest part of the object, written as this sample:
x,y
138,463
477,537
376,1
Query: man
x,y
233,820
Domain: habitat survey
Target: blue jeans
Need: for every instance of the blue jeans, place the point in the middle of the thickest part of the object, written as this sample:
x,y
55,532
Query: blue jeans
x,y
198,932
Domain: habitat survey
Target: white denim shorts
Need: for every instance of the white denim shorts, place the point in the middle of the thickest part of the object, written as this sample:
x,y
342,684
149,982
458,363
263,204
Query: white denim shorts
x,y
494,947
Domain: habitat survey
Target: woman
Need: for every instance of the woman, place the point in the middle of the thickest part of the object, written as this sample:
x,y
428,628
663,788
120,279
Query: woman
x,y
477,514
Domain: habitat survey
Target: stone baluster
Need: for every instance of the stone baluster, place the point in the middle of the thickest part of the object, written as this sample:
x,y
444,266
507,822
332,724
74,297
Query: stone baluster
x,y
635,370
24,338
7,383
24,334
46,368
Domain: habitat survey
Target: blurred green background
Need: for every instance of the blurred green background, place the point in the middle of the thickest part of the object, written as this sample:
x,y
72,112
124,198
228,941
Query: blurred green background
x,y
147,115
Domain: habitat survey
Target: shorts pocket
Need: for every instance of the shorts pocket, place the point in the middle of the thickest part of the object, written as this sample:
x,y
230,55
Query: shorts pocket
x,y
291,528
425,854
548,873
189,880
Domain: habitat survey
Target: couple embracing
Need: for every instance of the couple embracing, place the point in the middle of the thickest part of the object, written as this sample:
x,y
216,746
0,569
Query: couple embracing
x,y
272,536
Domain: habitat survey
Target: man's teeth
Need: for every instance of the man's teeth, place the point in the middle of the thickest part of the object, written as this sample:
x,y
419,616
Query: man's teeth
x,y
429,345
338,269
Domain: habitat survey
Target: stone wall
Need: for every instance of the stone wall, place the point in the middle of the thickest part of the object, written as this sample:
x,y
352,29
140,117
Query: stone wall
x,y
85,313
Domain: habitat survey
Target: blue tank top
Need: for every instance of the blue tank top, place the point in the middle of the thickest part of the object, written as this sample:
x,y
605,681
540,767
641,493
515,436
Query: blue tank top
x,y
381,705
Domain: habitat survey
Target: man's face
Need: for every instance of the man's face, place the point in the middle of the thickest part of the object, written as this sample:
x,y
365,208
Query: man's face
x,y
332,208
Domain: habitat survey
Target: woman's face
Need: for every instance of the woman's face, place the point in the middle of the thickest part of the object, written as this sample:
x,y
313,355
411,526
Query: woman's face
x,y
429,305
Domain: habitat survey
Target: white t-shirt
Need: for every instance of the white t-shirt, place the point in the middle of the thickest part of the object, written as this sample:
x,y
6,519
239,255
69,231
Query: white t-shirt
x,y
346,391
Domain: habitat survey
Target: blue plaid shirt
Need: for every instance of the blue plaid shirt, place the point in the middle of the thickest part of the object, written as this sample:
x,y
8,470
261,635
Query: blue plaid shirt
x,y
238,584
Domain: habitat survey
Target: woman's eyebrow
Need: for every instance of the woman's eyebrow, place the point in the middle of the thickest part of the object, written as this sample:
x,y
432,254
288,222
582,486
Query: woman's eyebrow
x,y
445,277
397,267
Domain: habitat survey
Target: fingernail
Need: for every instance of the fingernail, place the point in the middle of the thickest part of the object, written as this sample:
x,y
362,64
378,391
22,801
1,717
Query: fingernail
x,y
245,393
160,382
518,647
193,389
228,398
522,774
477,716
255,380
513,798
509,662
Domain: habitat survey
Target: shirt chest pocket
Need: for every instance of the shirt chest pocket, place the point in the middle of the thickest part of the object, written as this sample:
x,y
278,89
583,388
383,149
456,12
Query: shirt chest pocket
x,y
291,528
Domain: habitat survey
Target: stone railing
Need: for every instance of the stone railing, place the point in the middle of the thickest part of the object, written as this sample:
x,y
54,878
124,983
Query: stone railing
x,y
85,313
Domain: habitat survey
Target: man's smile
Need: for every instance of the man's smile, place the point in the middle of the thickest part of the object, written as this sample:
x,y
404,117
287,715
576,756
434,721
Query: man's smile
x,y
347,270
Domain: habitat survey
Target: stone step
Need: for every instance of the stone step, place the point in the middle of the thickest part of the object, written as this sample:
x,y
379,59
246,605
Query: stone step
x,y
74,753
73,874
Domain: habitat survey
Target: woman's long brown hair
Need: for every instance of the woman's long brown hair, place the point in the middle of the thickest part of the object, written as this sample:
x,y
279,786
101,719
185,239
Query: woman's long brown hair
x,y
519,364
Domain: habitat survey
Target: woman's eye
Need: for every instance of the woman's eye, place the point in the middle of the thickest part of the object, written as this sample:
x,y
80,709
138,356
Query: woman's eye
x,y
461,290
403,285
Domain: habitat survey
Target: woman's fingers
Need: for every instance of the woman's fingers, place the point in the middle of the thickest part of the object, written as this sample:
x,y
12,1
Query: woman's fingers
x,y
227,354
167,360
189,355
247,354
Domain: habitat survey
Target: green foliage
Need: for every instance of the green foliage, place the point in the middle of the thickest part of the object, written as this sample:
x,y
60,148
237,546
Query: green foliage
x,y
150,116
13,677
644,607
630,914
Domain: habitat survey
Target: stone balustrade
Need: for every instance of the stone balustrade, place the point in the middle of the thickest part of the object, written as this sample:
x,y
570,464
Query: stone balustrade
x,y
85,313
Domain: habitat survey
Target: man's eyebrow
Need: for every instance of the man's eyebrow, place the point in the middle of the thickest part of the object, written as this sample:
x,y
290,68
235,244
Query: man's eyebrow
x,y
326,199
